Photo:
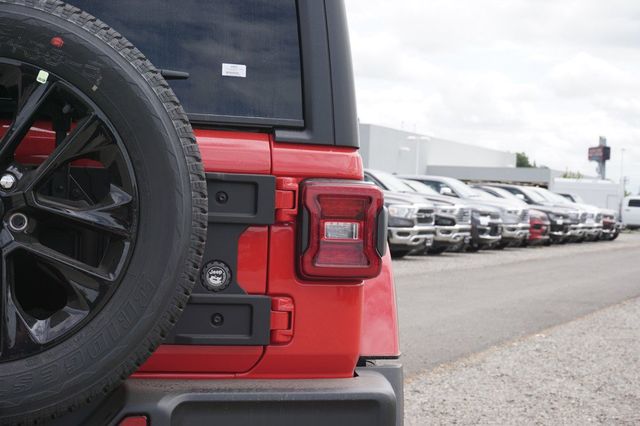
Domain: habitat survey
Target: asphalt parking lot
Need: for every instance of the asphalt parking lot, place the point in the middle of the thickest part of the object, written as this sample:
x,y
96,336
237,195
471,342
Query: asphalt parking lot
x,y
460,314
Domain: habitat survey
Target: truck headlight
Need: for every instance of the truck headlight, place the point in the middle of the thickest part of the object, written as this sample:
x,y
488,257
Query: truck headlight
x,y
447,210
404,212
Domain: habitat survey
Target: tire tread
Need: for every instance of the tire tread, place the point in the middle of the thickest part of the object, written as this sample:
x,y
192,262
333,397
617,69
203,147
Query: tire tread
x,y
195,168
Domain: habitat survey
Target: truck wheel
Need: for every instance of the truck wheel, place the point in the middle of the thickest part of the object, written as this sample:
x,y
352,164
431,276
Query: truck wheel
x,y
103,209
473,248
436,250
399,254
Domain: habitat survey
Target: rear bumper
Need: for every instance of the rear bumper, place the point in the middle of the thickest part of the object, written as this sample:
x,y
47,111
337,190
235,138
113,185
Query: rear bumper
x,y
373,397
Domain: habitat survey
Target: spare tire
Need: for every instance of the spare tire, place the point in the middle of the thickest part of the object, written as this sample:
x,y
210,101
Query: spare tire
x,y
103,213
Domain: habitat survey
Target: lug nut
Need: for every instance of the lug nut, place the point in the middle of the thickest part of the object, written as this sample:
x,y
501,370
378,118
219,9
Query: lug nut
x,y
7,181
18,222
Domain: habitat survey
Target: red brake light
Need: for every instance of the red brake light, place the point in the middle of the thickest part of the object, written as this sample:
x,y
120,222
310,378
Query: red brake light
x,y
343,232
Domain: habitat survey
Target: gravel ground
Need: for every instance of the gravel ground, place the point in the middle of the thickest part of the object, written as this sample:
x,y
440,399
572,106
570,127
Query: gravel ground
x,y
583,372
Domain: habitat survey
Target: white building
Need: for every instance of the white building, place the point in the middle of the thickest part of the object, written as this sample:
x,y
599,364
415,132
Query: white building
x,y
398,151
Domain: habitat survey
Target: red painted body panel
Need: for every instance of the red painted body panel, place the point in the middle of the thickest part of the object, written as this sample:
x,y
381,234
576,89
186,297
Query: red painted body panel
x,y
333,323
379,336
306,161
234,152
253,249
328,318
201,359
37,144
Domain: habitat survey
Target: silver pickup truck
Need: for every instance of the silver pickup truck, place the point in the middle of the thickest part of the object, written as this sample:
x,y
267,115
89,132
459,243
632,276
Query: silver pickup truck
x,y
411,226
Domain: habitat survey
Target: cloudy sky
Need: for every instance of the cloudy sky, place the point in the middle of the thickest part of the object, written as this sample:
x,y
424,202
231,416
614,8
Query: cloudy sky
x,y
546,77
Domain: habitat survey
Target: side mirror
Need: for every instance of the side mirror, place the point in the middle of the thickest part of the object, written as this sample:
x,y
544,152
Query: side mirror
x,y
447,191
520,196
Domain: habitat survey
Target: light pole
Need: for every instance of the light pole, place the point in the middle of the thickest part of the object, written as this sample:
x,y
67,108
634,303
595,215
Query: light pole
x,y
418,139
623,181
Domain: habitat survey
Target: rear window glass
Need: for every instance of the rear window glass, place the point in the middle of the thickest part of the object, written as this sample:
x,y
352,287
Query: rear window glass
x,y
243,57
634,203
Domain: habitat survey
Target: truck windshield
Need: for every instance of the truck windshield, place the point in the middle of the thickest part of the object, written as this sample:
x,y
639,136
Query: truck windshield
x,y
461,188
243,57
554,198
534,196
503,193
392,183
420,187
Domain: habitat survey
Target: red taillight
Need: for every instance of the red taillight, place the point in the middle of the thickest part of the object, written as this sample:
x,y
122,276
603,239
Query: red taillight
x,y
134,421
343,232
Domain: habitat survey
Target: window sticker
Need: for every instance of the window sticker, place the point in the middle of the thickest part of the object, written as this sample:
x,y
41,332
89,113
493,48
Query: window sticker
x,y
42,77
234,70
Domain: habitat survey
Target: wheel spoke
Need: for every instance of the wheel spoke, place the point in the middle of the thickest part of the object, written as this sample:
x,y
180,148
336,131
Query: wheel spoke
x,y
85,293
15,334
72,269
80,208
43,331
25,117
88,135
103,216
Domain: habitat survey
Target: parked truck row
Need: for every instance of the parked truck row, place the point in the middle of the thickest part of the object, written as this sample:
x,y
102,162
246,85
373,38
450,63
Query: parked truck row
x,y
434,214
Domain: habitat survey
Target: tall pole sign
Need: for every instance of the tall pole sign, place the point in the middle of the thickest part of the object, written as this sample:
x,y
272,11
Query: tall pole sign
x,y
601,154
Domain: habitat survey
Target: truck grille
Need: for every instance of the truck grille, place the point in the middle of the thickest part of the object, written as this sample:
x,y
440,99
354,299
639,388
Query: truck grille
x,y
425,216
494,215
463,216
445,221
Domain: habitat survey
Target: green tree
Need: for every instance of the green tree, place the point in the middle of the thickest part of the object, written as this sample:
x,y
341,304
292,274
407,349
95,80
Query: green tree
x,y
522,160
572,175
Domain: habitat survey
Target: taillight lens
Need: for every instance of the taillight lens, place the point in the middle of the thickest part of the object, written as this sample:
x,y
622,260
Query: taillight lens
x,y
343,232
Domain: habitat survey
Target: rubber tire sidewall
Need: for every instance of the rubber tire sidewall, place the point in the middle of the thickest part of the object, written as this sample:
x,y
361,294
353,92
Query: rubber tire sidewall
x,y
106,349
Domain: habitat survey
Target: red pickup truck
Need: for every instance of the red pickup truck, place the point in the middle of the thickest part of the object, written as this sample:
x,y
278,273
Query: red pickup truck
x,y
192,243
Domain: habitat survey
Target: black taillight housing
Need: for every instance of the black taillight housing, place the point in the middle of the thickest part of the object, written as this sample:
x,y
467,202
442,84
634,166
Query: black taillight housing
x,y
343,232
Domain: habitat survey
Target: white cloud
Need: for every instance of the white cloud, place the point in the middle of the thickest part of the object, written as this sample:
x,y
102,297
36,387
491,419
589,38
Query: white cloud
x,y
584,75
547,77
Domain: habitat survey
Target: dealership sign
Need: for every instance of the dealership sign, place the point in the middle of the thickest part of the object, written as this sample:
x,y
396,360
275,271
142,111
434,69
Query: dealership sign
x,y
600,153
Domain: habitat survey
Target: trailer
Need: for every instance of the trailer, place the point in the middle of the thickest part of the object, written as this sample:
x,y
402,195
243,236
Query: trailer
x,y
601,193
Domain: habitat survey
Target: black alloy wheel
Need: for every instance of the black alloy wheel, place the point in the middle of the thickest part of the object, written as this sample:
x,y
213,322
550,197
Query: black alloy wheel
x,y
103,212
69,210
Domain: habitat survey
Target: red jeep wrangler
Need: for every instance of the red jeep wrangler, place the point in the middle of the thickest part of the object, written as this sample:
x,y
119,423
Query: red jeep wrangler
x,y
226,265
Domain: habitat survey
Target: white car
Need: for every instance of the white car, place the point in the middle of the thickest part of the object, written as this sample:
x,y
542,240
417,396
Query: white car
x,y
631,211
